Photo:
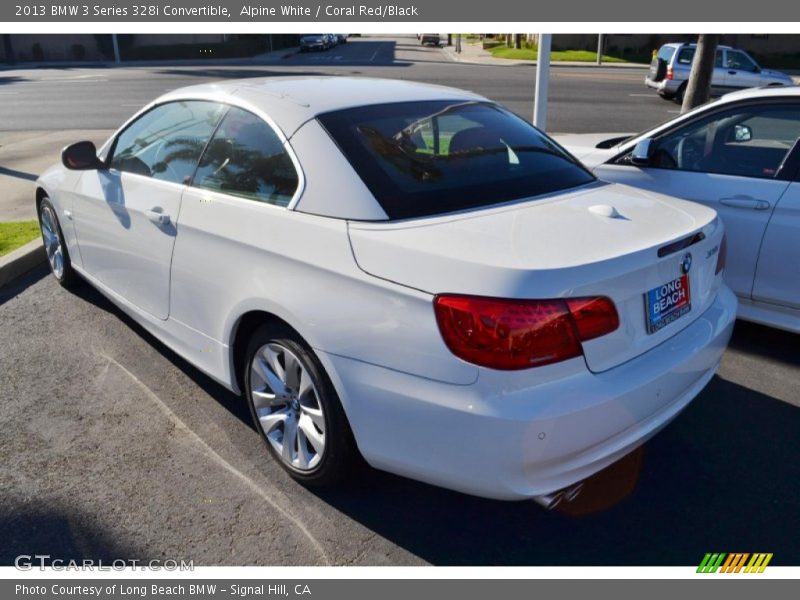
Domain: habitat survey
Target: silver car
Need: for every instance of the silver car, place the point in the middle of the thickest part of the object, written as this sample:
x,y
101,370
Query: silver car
x,y
734,69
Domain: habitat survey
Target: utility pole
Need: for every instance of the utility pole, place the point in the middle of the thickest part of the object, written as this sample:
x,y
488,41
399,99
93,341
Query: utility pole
x,y
116,48
599,49
542,79
458,43
698,88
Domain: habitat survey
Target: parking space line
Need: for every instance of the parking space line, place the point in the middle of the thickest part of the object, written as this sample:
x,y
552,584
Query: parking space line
x,y
211,453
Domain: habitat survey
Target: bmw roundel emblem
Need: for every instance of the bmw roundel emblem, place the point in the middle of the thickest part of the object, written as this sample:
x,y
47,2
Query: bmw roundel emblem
x,y
686,263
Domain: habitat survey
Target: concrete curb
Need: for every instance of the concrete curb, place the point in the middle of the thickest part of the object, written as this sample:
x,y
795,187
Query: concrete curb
x,y
21,260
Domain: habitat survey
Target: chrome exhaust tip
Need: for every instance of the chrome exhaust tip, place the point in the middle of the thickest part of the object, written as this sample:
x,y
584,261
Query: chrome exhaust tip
x,y
568,494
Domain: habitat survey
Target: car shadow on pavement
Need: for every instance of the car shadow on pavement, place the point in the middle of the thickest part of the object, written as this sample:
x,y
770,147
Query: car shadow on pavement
x,y
20,284
56,534
723,478
766,341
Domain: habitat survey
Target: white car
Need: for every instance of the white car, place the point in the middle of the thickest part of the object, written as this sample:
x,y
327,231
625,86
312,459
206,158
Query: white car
x,y
740,156
405,271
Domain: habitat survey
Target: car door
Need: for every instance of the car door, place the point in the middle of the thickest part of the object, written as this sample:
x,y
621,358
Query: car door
x,y
126,215
731,161
234,216
741,71
778,272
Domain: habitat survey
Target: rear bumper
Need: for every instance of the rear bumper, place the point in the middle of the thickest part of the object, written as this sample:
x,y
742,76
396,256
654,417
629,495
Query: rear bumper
x,y
510,437
665,86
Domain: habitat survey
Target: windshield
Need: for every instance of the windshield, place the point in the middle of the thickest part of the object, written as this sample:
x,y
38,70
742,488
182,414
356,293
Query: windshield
x,y
425,158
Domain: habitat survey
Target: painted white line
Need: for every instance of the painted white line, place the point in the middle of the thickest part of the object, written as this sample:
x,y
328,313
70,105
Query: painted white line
x,y
641,95
211,453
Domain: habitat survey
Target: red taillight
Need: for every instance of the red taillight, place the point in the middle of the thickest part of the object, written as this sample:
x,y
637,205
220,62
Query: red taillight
x,y
669,73
593,316
722,257
519,334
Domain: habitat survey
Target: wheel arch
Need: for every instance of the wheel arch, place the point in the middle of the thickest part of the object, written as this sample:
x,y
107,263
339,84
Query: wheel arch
x,y
241,330
41,194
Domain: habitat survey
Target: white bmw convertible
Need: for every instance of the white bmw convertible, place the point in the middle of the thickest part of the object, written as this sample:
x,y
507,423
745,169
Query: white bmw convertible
x,y
406,272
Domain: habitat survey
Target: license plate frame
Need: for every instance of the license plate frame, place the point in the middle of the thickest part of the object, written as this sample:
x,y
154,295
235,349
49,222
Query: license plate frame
x,y
667,303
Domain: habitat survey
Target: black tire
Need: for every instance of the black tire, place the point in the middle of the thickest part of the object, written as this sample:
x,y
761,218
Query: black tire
x,y
667,96
48,218
340,454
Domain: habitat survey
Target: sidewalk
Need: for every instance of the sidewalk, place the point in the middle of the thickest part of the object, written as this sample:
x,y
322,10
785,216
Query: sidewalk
x,y
24,156
475,54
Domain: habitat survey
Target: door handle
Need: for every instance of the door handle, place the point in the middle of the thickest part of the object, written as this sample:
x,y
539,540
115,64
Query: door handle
x,y
157,216
745,202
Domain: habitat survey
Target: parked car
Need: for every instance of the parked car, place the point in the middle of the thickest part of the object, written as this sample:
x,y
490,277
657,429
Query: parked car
x,y
341,38
314,42
734,69
429,39
740,156
405,271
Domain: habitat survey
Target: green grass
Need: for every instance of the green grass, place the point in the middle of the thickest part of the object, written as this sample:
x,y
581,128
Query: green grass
x,y
17,233
555,56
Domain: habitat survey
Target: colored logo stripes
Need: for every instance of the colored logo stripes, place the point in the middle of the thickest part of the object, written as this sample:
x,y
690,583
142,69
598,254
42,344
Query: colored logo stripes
x,y
735,562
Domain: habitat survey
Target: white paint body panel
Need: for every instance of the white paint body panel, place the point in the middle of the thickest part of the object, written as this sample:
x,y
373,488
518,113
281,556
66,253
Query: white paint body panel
x,y
414,407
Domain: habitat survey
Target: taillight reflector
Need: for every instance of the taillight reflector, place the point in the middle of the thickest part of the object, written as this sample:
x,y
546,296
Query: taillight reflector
x,y
511,334
669,73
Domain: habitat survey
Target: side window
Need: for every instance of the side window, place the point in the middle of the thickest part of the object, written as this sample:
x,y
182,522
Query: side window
x,y
166,142
246,158
740,61
685,56
750,141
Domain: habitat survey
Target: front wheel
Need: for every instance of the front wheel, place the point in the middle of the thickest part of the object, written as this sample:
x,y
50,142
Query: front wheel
x,y
296,409
54,246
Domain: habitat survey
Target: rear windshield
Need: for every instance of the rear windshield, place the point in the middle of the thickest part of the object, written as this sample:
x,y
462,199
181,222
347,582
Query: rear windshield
x,y
425,158
666,53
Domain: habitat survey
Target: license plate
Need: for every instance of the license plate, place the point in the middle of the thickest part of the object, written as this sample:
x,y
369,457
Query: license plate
x,y
666,303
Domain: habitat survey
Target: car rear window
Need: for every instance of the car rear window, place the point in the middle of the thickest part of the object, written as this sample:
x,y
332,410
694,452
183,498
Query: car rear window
x,y
425,158
666,53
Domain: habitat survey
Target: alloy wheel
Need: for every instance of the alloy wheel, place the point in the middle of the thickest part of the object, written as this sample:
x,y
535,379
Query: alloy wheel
x,y
287,405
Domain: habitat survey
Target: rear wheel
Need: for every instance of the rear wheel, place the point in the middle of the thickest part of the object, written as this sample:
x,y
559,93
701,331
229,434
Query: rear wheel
x,y
54,246
296,409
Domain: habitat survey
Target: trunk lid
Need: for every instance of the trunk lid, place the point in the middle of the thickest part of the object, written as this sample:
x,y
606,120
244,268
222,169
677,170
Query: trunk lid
x,y
600,240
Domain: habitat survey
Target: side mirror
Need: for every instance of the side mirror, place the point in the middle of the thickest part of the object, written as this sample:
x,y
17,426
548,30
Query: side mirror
x,y
742,133
81,156
642,152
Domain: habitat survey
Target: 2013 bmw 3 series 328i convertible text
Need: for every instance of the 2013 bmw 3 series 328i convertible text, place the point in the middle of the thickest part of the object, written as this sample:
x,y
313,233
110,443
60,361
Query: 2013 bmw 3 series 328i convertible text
x,y
402,271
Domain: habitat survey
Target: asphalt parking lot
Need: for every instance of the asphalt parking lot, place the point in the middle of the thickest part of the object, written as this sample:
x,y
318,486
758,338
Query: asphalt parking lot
x,y
114,447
